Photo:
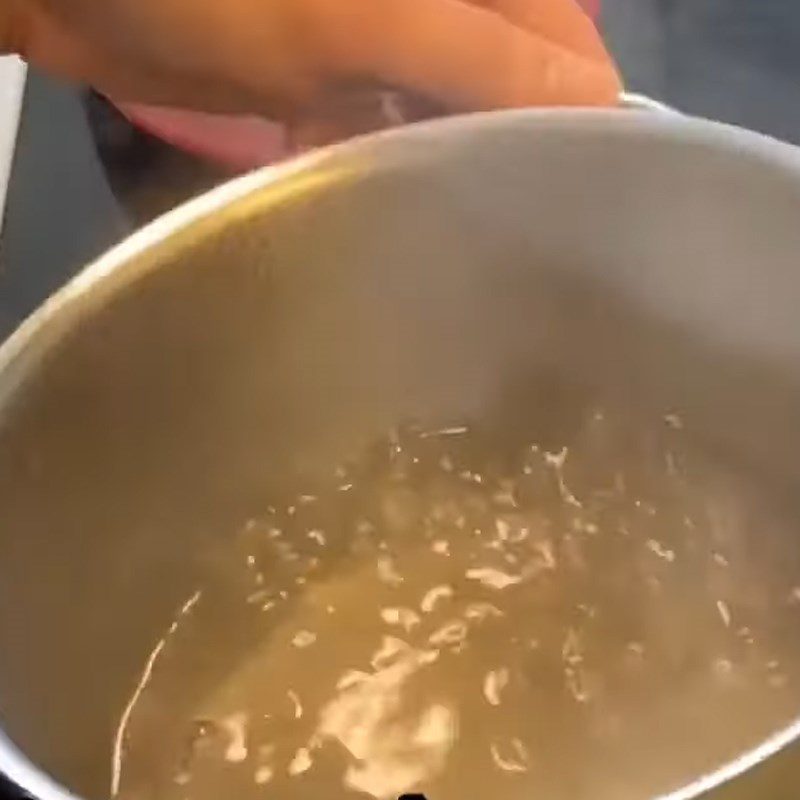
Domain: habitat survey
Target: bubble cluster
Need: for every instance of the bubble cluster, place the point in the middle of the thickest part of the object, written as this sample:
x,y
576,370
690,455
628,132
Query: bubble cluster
x,y
448,614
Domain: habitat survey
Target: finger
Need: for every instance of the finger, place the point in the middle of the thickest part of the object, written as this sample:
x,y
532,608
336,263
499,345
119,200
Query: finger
x,y
48,42
339,115
461,54
11,33
561,21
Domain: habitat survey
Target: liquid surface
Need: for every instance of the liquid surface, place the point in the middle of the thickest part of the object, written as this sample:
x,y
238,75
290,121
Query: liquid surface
x,y
454,617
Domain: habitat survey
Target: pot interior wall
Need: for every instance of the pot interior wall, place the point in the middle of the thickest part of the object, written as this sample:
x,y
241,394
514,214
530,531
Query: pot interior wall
x,y
512,268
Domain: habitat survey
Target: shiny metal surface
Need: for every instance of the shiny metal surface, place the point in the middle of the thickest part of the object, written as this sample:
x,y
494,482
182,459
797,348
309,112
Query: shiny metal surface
x,y
265,328
640,102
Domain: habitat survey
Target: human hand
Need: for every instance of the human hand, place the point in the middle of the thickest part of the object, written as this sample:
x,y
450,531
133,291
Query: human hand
x,y
282,57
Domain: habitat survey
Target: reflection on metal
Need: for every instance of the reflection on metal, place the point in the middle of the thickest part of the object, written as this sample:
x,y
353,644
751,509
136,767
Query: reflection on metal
x,y
641,102
739,766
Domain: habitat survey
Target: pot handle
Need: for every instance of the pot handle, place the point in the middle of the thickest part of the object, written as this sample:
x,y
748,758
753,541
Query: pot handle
x,y
640,102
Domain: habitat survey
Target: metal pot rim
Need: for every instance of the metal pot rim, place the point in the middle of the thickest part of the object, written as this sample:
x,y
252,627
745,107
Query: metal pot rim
x,y
128,261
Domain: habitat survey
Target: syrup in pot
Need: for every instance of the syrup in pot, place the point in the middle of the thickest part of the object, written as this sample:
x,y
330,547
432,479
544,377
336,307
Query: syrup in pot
x,y
607,620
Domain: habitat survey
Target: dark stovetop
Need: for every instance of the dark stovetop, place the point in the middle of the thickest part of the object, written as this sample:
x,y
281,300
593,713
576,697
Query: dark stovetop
x,y
7,792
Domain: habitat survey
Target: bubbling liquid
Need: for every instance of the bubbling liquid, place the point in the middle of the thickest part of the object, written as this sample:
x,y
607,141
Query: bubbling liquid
x,y
449,616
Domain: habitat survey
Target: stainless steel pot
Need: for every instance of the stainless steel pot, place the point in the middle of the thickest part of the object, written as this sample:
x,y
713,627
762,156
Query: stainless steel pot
x,y
419,273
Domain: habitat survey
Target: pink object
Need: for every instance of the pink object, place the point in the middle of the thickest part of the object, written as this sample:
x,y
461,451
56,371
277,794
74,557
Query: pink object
x,y
238,143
